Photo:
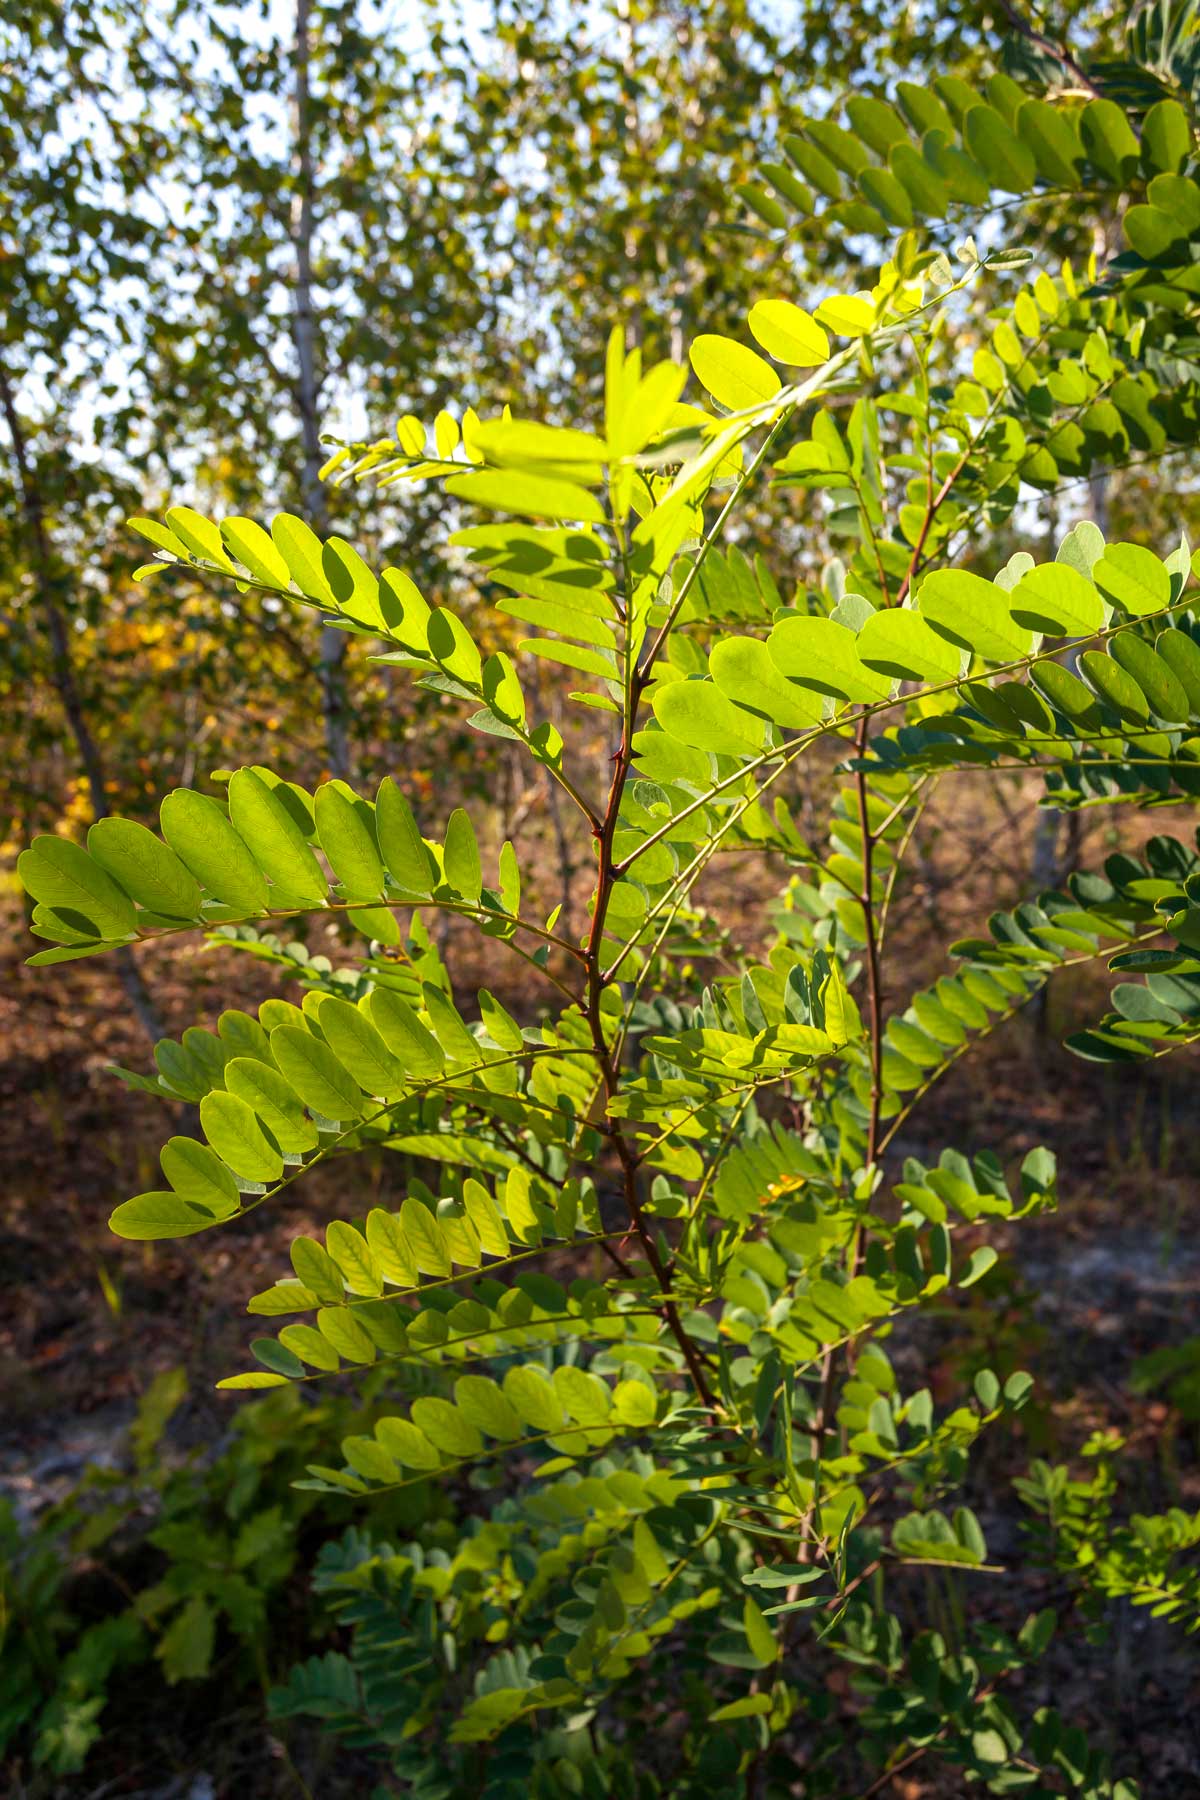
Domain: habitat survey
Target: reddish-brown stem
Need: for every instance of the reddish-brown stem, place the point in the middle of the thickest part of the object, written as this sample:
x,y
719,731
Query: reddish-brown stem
x,y
1040,41
931,513
626,1155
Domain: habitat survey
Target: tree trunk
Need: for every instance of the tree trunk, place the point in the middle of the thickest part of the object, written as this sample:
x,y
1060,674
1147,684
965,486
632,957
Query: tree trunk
x,y
331,664
65,684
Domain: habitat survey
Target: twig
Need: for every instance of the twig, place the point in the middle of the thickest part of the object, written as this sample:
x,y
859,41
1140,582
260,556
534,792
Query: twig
x,y
1040,41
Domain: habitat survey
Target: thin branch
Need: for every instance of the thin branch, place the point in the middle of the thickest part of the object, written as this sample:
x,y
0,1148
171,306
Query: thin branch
x,y
1048,47
610,1076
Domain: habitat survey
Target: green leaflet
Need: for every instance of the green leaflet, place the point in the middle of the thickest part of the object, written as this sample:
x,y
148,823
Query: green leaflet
x,y
482,1403
533,1398
198,1174
369,1459
888,196
390,1246
637,406
509,872
815,166
962,176
975,614
1108,679
958,95
788,333
876,123
1068,693
160,536
1180,198
352,584
426,1242
317,1269
312,1069
242,1035
1156,234
62,875
453,648
822,655
570,618
520,443
234,1132
405,1036
634,1404
536,496
147,869
838,145
699,715
572,656
1007,159
161,1215
1182,656
400,843
302,551
199,536
275,840
448,1429
928,194
1108,139
1133,578
204,840
306,1342
360,1049
922,108
486,1218
585,1397
744,671
451,1031
345,832
272,1101
737,378
759,1635
71,944
1165,693
764,205
899,643
502,691
406,613
354,1258
255,550
1166,137
1051,136
1058,600
409,1446
500,1026
464,874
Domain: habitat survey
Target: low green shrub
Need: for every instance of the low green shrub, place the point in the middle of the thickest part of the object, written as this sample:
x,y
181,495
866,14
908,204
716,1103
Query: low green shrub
x,y
167,1568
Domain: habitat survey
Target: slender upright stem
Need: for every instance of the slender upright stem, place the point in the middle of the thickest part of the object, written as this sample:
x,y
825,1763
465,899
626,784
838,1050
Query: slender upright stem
x,y
609,1071
47,572
304,330
63,671
932,509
